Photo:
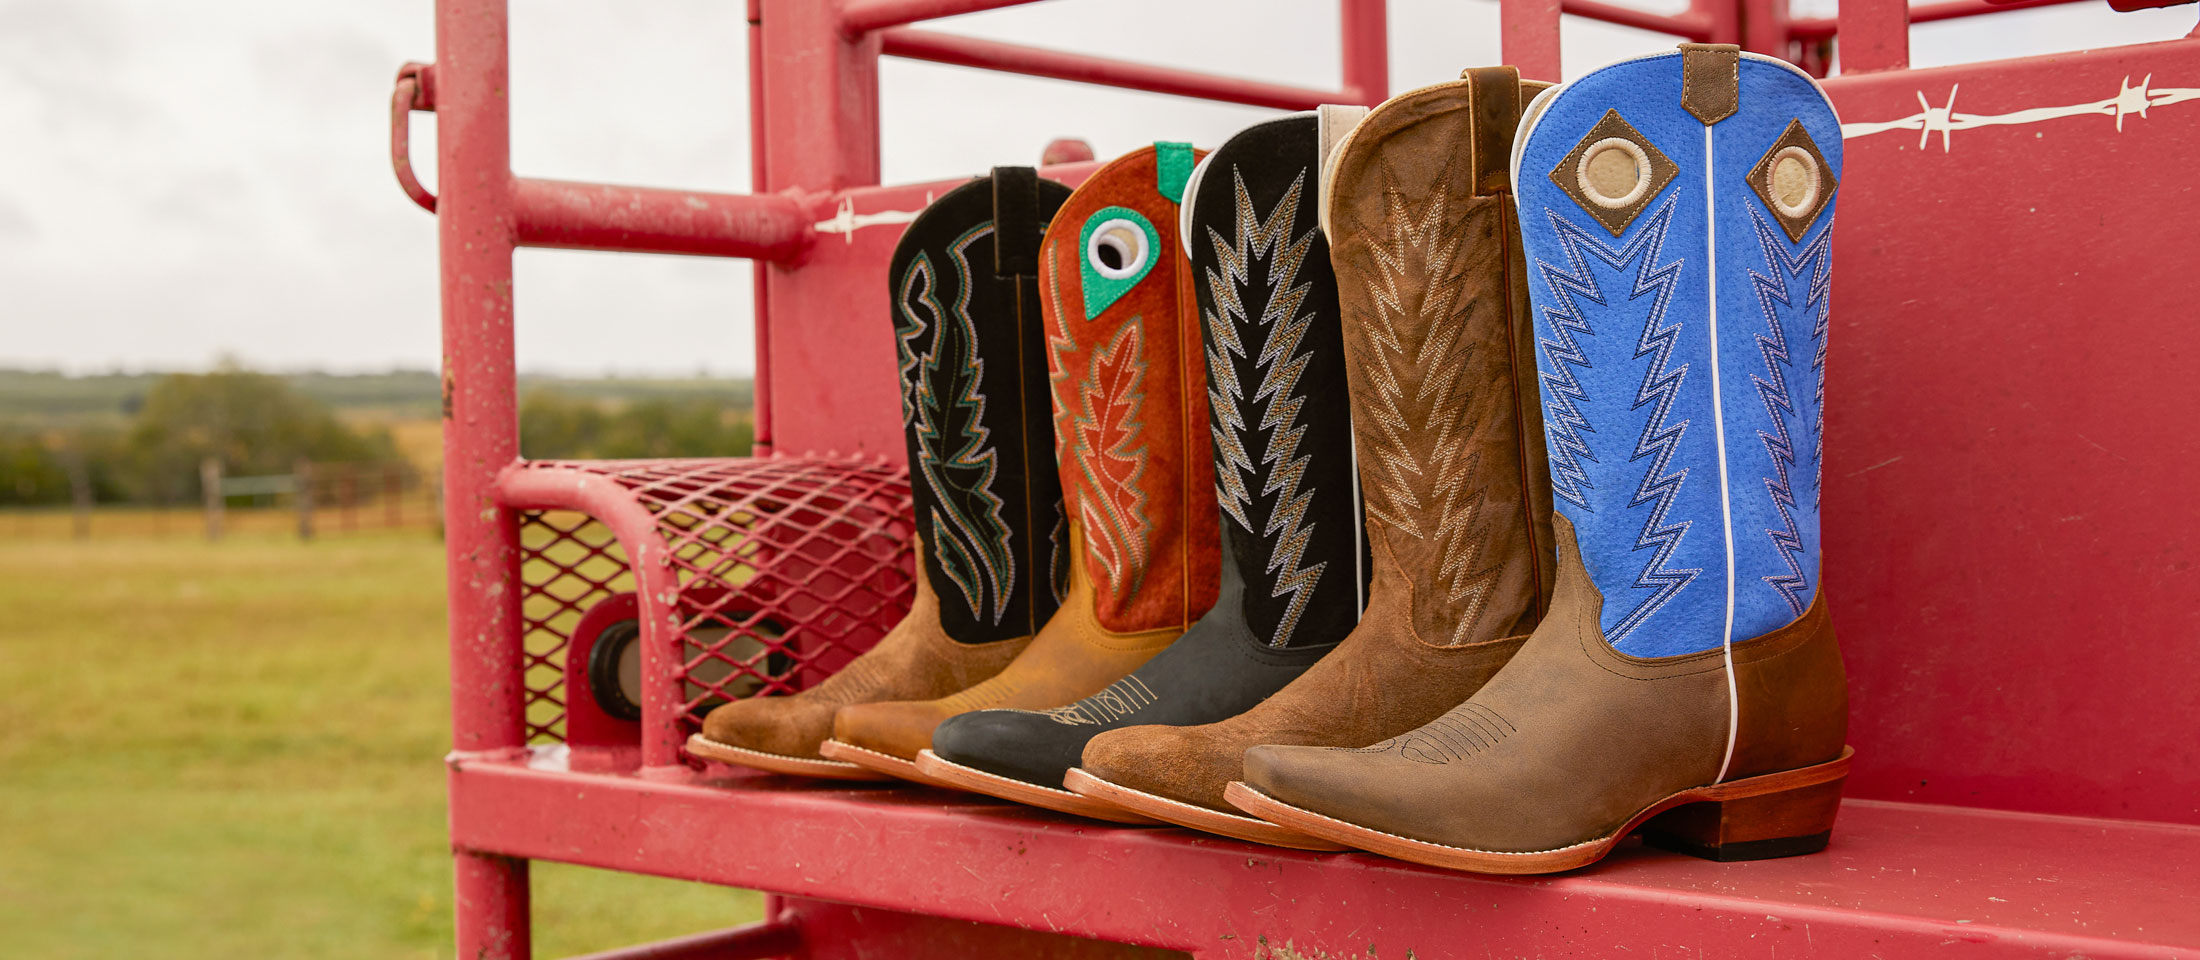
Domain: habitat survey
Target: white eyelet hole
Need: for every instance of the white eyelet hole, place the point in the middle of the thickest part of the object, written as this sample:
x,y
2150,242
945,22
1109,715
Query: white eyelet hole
x,y
1117,249
1791,181
1613,173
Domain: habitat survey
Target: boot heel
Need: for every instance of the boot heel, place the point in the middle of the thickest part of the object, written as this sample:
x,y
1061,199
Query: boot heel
x,y
1783,824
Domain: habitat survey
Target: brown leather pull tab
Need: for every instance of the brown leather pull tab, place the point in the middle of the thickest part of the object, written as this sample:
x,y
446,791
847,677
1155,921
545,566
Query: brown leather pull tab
x,y
1016,223
1711,84
1496,98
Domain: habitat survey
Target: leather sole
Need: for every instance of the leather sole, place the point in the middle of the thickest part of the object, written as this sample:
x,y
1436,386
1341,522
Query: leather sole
x,y
708,749
893,767
975,780
1778,814
1232,825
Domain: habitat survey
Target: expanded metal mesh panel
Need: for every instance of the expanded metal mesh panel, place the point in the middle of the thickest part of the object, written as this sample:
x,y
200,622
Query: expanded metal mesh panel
x,y
568,563
779,571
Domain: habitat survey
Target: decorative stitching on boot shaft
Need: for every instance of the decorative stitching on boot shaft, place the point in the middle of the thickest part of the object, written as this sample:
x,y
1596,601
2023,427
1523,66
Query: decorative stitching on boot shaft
x,y
1261,258
1565,395
945,411
1425,473
1117,700
1106,443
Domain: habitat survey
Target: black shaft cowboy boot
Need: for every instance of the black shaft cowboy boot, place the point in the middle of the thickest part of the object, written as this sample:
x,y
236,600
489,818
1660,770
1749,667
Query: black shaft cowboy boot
x,y
990,561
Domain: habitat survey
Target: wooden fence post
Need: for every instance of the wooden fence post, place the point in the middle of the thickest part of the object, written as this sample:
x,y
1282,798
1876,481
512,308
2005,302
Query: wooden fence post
x,y
302,477
210,486
393,495
347,495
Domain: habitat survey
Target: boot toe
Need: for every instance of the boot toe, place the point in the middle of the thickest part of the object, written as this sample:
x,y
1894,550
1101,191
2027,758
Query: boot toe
x,y
1018,744
895,728
1178,763
1332,781
788,726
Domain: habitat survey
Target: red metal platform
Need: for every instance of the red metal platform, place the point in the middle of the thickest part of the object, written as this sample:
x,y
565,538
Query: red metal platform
x,y
2010,546
1901,879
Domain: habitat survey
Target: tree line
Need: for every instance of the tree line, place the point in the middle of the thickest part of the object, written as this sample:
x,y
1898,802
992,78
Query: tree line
x,y
256,423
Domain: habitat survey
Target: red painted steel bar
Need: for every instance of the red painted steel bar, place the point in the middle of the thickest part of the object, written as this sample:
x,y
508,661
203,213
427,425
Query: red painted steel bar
x,y
491,901
1695,24
821,130
480,436
1875,36
753,942
760,393
594,216
481,423
1363,31
1055,64
858,17
1529,38
1817,27
1725,17
1765,28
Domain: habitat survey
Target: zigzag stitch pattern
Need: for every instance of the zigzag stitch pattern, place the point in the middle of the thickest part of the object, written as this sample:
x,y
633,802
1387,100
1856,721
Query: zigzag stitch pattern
x,y
1419,335
1660,388
1280,364
1772,388
968,542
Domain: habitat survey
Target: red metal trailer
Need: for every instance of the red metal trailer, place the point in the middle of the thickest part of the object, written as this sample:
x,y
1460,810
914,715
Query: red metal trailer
x,y
2010,538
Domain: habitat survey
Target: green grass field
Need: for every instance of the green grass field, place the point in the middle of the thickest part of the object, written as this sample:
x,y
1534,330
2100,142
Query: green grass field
x,y
233,750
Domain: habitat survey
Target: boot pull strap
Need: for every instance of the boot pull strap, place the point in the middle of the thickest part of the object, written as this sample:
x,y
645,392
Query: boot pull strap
x,y
1711,80
1496,103
1016,223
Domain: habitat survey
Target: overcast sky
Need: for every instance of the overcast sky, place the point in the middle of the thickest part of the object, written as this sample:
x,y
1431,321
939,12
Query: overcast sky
x,y
187,181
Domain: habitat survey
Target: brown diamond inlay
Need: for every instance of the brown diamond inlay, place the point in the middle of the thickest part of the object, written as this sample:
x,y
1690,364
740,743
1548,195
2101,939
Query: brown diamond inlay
x,y
1794,181
1614,172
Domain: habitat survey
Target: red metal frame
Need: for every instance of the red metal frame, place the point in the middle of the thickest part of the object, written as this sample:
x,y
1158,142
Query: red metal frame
x,y
2012,571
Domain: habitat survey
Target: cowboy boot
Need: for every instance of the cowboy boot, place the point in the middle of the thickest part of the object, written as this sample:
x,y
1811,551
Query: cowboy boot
x,y
1678,209
964,282
1292,561
1440,373
1131,428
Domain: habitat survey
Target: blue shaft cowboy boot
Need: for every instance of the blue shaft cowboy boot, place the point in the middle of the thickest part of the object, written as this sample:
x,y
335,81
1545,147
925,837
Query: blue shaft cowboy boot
x,y
1676,212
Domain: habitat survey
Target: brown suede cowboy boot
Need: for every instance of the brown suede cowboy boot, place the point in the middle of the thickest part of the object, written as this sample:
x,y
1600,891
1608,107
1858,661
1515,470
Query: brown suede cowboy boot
x,y
1679,213
1130,405
964,281
1423,237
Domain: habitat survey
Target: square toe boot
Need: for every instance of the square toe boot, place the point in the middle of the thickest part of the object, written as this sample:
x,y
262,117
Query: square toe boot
x,y
971,346
1440,376
1678,211
1293,567
1130,407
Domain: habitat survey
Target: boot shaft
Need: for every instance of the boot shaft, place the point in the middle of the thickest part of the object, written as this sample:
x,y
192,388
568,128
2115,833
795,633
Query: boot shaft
x,y
969,338
1130,393
1679,209
1424,238
1294,564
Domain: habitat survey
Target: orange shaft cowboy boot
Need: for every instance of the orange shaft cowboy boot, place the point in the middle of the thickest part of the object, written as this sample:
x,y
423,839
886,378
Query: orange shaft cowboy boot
x,y
1130,419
